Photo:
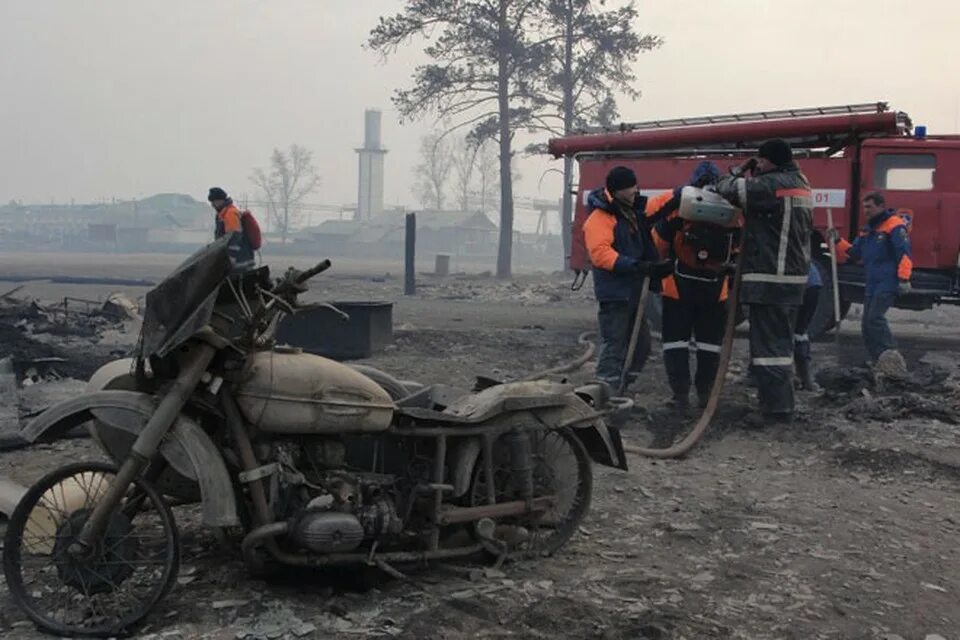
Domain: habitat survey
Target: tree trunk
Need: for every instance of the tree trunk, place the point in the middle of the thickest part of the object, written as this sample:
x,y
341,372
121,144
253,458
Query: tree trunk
x,y
566,211
566,220
505,251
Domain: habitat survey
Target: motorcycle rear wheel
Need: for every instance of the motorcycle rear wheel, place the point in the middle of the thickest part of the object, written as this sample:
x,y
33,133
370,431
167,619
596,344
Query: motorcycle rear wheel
x,y
562,467
108,593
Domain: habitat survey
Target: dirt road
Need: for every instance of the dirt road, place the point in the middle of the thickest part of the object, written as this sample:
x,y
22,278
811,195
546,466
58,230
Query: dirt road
x,y
845,524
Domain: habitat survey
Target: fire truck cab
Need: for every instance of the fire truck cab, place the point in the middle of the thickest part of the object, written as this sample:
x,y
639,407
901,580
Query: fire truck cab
x,y
845,151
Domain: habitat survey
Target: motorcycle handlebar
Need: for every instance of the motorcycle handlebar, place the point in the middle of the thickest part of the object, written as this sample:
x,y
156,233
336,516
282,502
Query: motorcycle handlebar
x,y
309,273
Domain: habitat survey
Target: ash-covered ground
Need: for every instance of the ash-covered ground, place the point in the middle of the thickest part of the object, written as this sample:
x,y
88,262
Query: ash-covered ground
x,y
844,524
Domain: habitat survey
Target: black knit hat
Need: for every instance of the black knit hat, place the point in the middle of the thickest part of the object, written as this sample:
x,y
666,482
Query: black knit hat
x,y
216,193
621,178
777,151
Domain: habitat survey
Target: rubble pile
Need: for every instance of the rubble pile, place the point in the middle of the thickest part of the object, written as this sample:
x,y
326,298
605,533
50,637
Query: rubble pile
x,y
70,339
48,352
889,391
526,291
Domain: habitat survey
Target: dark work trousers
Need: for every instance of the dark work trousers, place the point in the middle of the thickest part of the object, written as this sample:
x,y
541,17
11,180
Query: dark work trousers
x,y
874,327
771,355
615,320
682,321
801,341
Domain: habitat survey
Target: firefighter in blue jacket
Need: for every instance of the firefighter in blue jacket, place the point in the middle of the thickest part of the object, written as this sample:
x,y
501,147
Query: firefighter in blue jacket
x,y
884,247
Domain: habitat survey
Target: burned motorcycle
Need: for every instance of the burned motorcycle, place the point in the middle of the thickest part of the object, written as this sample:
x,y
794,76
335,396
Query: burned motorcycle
x,y
312,461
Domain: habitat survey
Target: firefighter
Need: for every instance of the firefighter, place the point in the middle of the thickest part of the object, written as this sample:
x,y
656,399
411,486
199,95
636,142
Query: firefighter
x,y
884,247
694,296
622,253
801,340
227,220
778,212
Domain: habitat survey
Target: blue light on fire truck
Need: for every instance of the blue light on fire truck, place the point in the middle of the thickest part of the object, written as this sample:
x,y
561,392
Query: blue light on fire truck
x,y
920,132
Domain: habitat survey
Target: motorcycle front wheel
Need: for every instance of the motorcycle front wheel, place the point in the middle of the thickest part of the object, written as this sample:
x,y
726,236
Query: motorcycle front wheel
x,y
107,591
561,468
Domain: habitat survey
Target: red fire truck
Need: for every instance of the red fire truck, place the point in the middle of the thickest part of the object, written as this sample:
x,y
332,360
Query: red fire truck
x,y
845,151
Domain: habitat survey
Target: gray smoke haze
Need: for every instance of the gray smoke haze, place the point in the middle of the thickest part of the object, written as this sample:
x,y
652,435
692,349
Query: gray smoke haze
x,y
126,99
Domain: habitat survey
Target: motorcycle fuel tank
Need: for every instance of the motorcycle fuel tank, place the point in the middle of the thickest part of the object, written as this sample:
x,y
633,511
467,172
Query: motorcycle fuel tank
x,y
300,393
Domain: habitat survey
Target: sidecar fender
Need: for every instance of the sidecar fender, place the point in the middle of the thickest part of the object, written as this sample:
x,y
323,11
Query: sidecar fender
x,y
601,441
188,449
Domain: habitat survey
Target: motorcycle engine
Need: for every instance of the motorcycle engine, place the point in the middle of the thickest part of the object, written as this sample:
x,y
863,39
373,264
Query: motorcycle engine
x,y
333,509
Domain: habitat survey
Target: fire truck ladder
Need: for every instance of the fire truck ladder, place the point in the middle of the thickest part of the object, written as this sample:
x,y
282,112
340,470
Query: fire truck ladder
x,y
756,116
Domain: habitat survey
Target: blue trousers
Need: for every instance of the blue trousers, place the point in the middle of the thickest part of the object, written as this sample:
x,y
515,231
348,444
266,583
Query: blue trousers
x,y
874,326
615,320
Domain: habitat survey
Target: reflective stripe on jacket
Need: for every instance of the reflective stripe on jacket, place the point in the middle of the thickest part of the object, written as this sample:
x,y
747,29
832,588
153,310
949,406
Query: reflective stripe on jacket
x,y
778,210
884,247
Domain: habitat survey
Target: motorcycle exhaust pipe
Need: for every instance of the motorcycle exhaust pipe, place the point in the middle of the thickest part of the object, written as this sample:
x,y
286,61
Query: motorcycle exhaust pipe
x,y
259,536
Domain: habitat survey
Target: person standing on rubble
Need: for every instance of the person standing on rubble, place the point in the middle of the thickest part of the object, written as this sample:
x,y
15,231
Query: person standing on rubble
x,y
801,340
623,254
884,247
227,221
778,218
694,295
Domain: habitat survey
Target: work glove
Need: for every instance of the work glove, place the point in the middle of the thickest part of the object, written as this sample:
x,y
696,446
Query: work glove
x,y
904,287
743,169
655,270
833,235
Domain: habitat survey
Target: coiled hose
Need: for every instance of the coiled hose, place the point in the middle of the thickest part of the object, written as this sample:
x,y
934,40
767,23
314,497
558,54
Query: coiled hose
x,y
703,423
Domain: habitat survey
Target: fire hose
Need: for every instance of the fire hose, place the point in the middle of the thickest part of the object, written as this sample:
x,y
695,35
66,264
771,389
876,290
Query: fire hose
x,y
726,349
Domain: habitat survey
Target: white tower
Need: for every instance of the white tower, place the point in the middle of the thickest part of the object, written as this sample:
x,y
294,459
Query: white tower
x,y
370,196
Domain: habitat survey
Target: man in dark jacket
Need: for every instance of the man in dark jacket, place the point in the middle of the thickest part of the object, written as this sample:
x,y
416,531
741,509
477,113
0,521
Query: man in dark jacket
x,y
778,212
884,247
622,253
227,221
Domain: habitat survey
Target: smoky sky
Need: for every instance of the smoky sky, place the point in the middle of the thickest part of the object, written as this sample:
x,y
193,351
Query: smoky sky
x,y
112,98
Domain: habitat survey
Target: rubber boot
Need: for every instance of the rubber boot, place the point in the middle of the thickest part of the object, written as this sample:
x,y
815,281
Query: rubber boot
x,y
802,364
680,399
703,396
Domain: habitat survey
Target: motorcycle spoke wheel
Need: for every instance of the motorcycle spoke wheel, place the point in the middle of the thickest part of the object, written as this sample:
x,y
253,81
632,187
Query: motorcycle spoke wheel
x,y
561,468
110,590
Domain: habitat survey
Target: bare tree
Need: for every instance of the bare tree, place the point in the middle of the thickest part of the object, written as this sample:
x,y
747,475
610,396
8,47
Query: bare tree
x,y
433,172
465,155
480,75
591,48
488,170
290,179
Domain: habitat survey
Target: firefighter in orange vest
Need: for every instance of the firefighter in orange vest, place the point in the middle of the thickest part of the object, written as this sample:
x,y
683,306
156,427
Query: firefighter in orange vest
x,y
622,254
227,222
694,295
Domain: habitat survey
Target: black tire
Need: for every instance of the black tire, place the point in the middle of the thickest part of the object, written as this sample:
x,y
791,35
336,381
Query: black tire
x,y
111,572
569,516
823,318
